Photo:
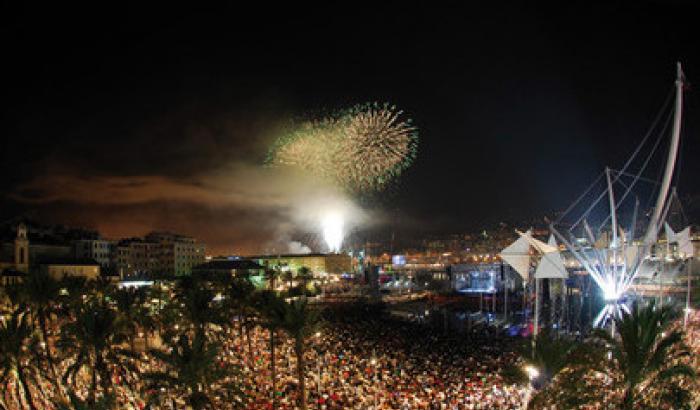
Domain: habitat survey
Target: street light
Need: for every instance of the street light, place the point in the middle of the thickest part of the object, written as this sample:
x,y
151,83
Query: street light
x,y
532,372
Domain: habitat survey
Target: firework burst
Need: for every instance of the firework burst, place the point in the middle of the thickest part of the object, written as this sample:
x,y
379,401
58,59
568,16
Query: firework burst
x,y
361,149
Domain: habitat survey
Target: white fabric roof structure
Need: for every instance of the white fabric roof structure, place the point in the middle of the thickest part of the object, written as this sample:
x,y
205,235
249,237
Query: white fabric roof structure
x,y
537,244
517,255
682,238
670,235
551,265
685,245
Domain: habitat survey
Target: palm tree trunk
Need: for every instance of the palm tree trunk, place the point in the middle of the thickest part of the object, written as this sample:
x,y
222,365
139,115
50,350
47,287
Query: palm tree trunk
x,y
299,350
240,325
628,400
25,389
245,339
92,396
273,369
105,378
250,344
45,337
18,393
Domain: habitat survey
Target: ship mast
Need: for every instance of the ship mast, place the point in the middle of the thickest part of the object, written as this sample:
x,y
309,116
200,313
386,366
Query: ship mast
x,y
654,223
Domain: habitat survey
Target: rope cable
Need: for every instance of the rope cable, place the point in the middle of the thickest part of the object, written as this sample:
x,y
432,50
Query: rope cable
x,y
641,170
624,168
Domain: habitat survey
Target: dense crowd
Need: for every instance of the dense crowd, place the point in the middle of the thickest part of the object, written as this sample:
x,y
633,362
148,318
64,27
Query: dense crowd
x,y
380,364
358,358
366,363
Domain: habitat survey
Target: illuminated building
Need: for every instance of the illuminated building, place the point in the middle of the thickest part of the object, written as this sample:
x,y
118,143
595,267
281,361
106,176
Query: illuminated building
x,y
176,254
159,252
234,267
71,267
18,256
16,262
318,263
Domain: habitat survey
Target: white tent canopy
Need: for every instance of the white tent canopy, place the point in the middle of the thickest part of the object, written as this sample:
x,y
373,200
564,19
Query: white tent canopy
x,y
682,238
551,265
517,255
537,244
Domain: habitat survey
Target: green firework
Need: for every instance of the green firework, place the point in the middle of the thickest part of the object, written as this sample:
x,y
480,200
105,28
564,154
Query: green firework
x,y
362,149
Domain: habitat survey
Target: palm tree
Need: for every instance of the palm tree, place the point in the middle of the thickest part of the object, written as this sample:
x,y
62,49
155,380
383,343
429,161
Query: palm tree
x,y
544,358
300,322
41,293
304,274
239,302
272,310
549,355
553,369
272,275
16,365
192,371
129,305
288,277
162,315
75,403
193,298
91,341
649,352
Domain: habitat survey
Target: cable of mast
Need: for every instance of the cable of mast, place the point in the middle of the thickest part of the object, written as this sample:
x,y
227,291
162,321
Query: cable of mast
x,y
627,164
641,170
583,195
642,179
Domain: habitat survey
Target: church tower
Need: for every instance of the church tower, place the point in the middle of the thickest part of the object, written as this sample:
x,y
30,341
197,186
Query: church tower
x,y
22,249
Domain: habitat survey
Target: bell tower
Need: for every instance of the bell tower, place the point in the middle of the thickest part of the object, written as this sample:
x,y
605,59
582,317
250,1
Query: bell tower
x,y
22,249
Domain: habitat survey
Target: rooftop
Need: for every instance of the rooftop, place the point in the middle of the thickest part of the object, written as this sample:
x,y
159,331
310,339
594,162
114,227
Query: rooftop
x,y
235,264
69,261
292,255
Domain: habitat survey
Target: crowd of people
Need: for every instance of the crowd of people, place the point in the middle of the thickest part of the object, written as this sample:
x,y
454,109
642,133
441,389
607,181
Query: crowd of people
x,y
358,359
385,364
364,363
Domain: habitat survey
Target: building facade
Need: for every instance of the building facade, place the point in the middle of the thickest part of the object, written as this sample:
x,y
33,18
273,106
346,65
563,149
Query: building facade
x,y
136,256
158,253
177,254
234,267
18,257
101,250
318,263
71,267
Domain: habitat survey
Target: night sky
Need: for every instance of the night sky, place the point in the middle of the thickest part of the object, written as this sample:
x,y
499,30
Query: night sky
x,y
127,120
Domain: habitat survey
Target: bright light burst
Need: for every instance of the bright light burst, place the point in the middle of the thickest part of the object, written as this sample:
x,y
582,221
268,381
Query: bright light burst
x,y
361,149
332,227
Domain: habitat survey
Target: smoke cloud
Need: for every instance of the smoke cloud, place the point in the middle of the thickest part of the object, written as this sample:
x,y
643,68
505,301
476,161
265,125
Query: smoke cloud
x,y
240,208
